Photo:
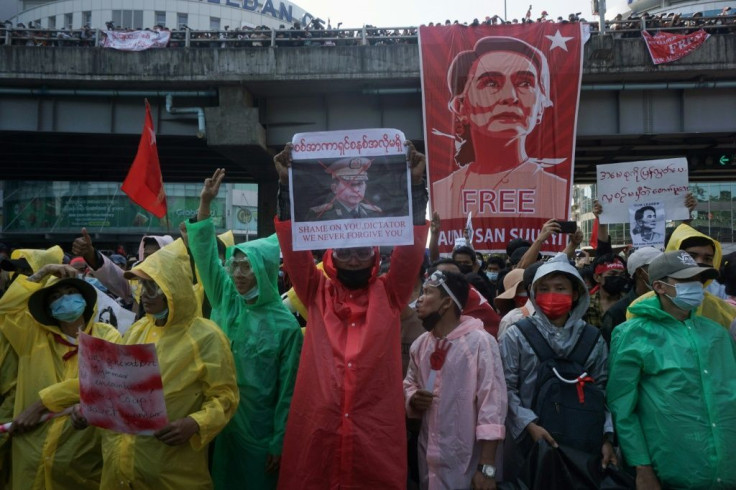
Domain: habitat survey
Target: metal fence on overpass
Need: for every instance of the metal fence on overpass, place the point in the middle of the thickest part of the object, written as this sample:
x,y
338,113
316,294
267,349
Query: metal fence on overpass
x,y
364,36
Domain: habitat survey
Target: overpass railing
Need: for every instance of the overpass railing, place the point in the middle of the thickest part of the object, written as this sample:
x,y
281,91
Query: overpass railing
x,y
260,38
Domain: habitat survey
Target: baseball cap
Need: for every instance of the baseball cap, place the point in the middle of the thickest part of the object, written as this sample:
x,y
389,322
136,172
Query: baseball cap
x,y
678,265
641,257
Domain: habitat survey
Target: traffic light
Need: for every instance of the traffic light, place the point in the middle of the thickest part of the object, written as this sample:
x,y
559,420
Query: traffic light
x,y
726,159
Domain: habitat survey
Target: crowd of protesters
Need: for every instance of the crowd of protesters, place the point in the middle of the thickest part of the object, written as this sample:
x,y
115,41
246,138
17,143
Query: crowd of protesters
x,y
317,33
606,369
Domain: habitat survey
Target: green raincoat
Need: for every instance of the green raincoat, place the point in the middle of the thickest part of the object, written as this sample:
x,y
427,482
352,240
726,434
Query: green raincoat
x,y
672,391
266,343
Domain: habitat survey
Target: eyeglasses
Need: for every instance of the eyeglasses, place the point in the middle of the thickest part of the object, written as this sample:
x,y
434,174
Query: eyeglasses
x,y
241,266
438,279
150,289
360,253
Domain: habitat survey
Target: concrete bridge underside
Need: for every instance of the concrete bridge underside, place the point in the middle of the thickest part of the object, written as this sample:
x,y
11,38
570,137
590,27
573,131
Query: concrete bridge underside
x,y
76,113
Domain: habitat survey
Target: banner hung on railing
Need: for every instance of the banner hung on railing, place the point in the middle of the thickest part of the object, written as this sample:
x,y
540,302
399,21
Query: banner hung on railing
x,y
665,47
136,40
500,114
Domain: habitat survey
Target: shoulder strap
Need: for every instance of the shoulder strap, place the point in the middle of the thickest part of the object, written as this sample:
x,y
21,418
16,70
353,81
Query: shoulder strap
x,y
539,345
585,344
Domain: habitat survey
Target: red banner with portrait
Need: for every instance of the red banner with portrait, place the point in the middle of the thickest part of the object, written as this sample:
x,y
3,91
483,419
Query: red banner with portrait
x,y
500,115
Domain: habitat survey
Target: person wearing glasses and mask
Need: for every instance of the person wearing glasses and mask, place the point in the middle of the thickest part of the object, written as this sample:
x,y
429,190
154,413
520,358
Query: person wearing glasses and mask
x,y
456,385
346,427
266,341
198,376
671,388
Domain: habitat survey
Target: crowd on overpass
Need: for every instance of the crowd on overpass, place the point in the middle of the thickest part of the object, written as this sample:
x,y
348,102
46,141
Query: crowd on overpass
x,y
370,370
317,33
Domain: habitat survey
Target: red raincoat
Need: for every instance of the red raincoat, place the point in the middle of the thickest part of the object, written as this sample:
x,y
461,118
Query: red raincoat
x,y
346,427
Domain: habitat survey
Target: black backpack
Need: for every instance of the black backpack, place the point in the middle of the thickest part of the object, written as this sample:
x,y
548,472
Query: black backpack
x,y
572,412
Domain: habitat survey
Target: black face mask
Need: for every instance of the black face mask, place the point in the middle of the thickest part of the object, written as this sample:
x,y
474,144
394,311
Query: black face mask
x,y
354,279
430,321
465,268
614,285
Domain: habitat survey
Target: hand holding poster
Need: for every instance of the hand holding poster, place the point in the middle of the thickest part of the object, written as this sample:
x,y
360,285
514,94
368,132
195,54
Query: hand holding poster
x,y
500,114
350,189
120,386
623,185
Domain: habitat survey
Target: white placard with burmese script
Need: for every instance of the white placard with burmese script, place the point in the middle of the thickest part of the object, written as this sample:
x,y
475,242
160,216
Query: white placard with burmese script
x,y
350,189
621,186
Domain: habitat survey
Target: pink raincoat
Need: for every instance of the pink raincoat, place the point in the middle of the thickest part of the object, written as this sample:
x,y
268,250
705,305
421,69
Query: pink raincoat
x,y
469,405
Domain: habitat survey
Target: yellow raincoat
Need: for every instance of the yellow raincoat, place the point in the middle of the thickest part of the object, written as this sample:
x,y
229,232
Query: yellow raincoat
x,y
54,455
198,376
712,307
12,304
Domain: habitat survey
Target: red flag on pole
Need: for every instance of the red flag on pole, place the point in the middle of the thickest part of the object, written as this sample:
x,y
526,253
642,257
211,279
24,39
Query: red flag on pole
x,y
144,184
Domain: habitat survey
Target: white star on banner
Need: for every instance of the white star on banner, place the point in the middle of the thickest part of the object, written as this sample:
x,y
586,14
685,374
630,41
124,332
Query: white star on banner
x,y
558,41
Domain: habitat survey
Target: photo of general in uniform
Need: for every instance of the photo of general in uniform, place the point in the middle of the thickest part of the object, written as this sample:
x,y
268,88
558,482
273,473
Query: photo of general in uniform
x,y
349,183
350,188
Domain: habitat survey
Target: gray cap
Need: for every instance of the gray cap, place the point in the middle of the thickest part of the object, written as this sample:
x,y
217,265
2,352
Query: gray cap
x,y
678,265
641,257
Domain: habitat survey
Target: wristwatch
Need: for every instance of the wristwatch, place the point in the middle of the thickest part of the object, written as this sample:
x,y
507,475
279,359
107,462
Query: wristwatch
x,y
487,470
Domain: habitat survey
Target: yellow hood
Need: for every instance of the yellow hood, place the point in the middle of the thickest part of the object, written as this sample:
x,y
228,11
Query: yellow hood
x,y
228,238
37,258
170,268
684,232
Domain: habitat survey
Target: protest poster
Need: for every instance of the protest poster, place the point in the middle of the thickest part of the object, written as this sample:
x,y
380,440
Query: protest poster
x,y
120,386
135,40
350,189
665,47
500,115
623,185
647,223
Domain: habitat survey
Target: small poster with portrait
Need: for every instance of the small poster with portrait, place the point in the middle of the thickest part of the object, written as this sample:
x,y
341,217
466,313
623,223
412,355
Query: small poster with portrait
x,y
350,189
647,222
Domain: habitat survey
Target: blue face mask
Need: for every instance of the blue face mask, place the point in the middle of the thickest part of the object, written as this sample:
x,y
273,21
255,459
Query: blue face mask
x,y
68,308
253,293
492,276
688,295
161,314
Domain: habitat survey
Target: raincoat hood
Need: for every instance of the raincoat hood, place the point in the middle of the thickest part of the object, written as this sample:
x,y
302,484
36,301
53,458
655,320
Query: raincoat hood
x,y
162,241
228,238
560,263
264,255
331,270
683,232
171,270
37,258
650,308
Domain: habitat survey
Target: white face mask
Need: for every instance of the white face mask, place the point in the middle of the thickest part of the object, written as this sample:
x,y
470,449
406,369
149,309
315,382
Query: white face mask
x,y
253,293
